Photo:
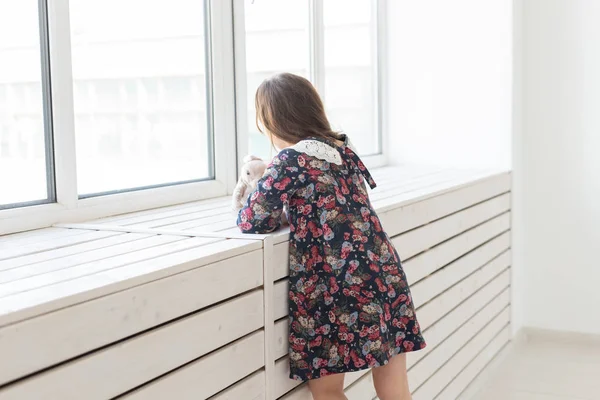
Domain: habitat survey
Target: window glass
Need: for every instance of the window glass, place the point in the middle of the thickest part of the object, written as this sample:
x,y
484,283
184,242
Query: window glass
x,y
23,163
350,70
277,40
140,94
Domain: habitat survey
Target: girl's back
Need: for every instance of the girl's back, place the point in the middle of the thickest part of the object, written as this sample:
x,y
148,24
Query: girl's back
x,y
350,307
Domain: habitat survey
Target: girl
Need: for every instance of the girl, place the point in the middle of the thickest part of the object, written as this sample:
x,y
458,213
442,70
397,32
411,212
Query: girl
x,y
350,307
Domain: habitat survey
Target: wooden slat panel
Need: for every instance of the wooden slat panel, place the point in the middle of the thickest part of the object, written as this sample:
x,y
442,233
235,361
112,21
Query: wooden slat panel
x,y
437,333
49,298
42,274
281,260
467,375
442,377
281,377
204,224
76,330
497,312
352,377
77,237
142,358
462,180
140,216
203,378
459,180
64,253
427,236
436,283
282,235
161,220
398,218
426,263
129,253
38,235
405,178
281,343
415,182
300,393
251,388
225,223
388,178
280,298
443,304
269,316
424,187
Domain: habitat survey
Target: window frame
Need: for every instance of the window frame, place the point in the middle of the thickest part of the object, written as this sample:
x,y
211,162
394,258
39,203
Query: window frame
x,y
68,205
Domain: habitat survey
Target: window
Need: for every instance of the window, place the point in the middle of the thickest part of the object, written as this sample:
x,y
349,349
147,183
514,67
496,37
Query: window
x,y
25,140
140,94
334,43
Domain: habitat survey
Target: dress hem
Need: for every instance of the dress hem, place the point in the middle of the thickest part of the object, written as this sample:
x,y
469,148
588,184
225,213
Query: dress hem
x,y
295,377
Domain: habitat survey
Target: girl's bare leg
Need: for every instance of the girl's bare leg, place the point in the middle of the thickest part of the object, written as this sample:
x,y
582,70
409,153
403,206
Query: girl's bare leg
x,y
391,380
328,388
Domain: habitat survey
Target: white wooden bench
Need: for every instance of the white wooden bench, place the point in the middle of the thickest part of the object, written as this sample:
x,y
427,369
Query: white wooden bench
x,y
176,303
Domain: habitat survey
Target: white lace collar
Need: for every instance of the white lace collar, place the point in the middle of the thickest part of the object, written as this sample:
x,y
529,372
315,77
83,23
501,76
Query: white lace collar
x,y
318,149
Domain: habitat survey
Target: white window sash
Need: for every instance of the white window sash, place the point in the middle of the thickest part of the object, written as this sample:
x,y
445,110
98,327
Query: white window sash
x,y
317,45
241,82
63,113
380,52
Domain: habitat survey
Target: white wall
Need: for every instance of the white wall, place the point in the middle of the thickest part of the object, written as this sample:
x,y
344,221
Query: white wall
x,y
450,83
557,165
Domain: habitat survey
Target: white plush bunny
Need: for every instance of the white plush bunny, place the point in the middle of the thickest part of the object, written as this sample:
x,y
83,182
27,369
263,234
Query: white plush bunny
x,y
252,170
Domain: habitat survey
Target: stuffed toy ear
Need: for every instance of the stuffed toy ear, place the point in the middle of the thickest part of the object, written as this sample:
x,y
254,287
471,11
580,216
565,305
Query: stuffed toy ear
x,y
249,158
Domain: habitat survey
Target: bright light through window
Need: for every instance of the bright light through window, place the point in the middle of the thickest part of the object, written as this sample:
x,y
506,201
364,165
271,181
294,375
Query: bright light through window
x,y
350,70
140,93
277,40
22,140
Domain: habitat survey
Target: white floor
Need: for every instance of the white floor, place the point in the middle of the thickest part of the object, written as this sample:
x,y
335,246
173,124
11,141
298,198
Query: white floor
x,y
544,366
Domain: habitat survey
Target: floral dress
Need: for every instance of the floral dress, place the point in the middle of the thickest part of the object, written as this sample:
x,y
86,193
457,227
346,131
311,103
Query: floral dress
x,y
350,306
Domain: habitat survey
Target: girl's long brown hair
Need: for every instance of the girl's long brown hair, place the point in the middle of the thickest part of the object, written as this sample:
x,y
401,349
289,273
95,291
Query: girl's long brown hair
x,y
289,107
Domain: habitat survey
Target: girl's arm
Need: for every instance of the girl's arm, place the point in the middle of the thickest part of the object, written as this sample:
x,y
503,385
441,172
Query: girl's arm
x,y
263,209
